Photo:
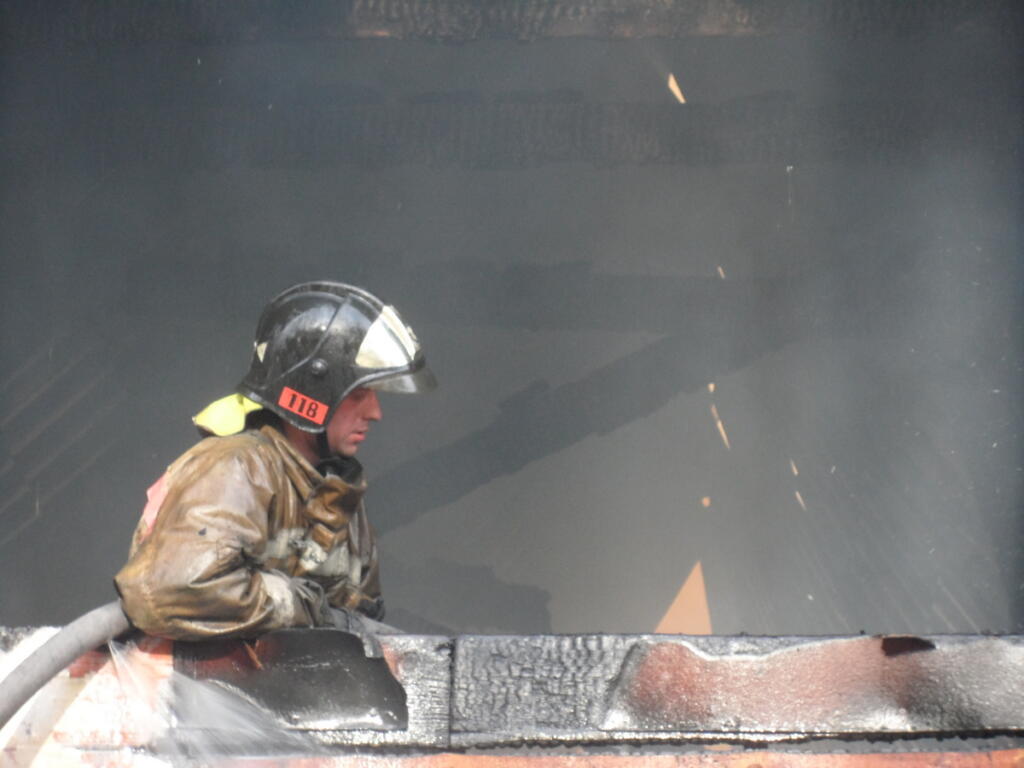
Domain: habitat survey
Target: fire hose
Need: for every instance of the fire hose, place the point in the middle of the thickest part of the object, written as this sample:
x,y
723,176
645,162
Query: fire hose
x,y
85,633
103,624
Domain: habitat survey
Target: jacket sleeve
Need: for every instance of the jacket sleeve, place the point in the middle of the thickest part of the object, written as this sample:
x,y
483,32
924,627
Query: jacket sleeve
x,y
197,573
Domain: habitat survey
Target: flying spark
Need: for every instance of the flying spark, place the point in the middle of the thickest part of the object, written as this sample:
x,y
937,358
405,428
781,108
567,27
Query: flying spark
x,y
800,500
721,272
721,427
674,87
792,466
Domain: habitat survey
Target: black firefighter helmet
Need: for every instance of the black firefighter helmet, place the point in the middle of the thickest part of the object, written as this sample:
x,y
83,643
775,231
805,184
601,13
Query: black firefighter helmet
x,y
316,342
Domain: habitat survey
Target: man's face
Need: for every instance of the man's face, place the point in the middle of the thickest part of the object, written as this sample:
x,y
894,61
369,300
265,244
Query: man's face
x,y
351,420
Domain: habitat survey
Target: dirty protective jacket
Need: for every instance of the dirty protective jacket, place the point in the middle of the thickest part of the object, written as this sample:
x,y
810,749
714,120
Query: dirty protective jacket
x,y
247,537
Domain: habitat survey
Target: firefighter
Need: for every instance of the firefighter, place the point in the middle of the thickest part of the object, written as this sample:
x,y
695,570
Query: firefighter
x,y
261,525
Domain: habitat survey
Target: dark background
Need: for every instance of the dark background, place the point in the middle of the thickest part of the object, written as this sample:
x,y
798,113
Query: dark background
x,y
524,187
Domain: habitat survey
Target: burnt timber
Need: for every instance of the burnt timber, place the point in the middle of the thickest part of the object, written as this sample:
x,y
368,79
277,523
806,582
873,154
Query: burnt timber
x,y
618,700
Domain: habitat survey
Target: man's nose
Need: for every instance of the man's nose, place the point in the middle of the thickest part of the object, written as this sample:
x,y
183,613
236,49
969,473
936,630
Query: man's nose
x,y
372,407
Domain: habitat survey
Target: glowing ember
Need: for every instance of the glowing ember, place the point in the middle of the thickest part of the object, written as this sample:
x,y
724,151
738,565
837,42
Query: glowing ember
x,y
721,272
792,466
725,437
674,87
721,427
706,502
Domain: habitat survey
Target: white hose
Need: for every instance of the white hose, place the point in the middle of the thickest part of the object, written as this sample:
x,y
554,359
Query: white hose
x,y
89,631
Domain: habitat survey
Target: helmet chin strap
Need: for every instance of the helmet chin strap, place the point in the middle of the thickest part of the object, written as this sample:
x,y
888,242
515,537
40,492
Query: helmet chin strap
x,y
330,463
323,450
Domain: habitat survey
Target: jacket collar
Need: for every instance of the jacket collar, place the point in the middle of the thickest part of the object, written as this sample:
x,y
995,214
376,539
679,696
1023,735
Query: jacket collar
x,y
303,475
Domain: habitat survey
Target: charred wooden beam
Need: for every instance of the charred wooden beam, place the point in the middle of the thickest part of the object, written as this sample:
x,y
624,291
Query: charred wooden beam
x,y
226,21
621,701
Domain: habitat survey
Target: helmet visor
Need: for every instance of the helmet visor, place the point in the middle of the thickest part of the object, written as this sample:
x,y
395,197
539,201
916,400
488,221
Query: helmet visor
x,y
410,383
390,354
388,343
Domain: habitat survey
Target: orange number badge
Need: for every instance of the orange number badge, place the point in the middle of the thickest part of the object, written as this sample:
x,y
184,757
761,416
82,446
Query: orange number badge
x,y
304,406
